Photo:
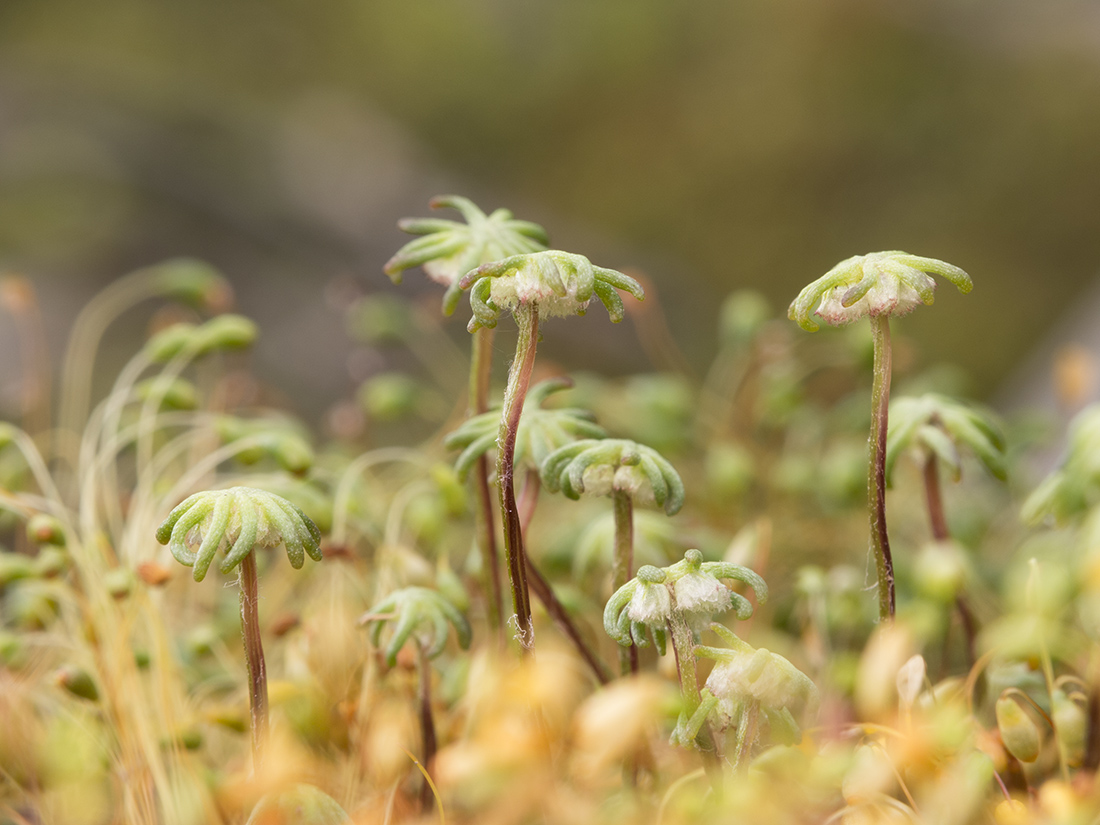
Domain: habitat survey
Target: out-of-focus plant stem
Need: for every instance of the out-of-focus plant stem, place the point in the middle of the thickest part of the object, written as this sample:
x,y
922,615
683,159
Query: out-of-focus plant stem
x,y
623,564
565,622
87,331
481,362
427,723
543,590
934,496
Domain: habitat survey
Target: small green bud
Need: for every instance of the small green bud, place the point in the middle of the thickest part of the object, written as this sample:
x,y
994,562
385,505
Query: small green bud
x,y
45,529
195,282
230,428
200,641
13,650
31,604
292,453
940,571
225,332
119,582
177,394
78,682
165,344
1018,732
1070,726
187,738
15,566
51,562
281,439
231,717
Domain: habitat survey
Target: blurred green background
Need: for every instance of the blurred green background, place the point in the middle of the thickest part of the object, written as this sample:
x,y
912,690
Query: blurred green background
x,y
713,145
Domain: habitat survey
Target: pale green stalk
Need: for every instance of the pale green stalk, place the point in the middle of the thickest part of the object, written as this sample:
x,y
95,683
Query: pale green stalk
x,y
102,423
88,329
622,568
1045,661
150,408
37,466
746,735
400,502
342,495
481,361
98,478
683,646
